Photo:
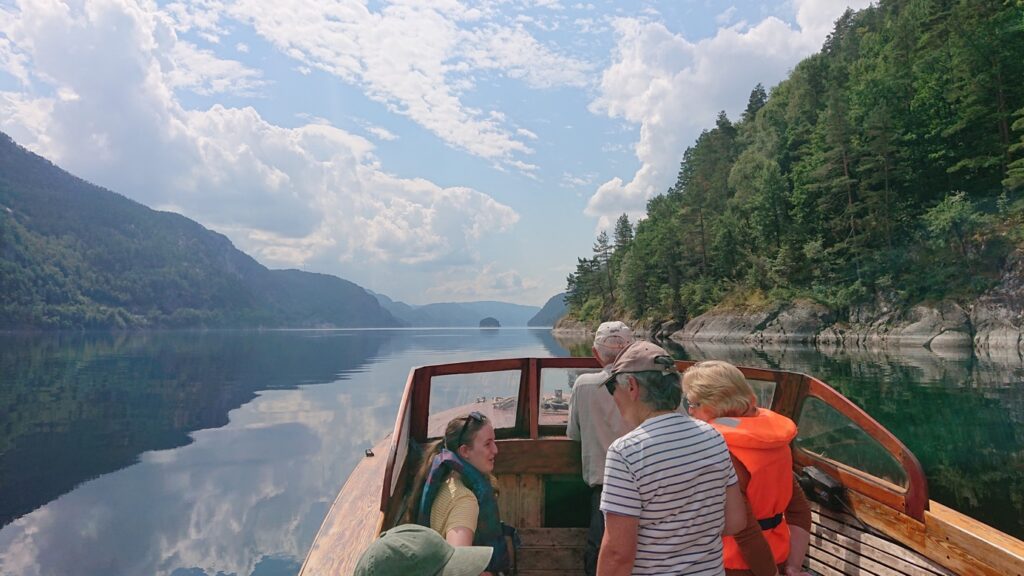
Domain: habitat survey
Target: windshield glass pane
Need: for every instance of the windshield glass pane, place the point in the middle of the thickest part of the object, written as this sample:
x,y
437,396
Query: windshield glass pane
x,y
493,394
826,432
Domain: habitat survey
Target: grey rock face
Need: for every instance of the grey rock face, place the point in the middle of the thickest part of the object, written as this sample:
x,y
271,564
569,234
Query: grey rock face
x,y
998,315
797,322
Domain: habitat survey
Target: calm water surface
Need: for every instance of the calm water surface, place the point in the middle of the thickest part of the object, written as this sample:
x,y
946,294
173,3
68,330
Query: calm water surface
x,y
217,453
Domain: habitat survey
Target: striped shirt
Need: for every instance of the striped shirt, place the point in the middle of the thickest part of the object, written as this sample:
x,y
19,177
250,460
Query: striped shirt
x,y
671,473
454,506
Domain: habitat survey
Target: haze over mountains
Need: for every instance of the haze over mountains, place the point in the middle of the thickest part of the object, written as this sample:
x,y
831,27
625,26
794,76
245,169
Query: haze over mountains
x,y
77,256
458,314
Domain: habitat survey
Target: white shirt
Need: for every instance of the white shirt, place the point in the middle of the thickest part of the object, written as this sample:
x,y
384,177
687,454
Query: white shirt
x,y
671,473
594,421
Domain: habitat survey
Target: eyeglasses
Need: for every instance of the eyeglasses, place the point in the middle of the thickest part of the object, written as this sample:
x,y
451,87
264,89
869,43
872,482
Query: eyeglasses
x,y
474,416
690,405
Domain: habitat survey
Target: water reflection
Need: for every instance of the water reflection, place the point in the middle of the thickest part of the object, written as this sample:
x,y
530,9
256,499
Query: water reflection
x,y
962,416
77,406
237,456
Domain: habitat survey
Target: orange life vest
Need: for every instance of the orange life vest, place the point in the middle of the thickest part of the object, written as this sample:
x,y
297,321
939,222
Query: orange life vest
x,y
761,443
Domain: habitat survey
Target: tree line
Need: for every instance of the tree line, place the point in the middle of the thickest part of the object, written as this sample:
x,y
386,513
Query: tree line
x,y
890,164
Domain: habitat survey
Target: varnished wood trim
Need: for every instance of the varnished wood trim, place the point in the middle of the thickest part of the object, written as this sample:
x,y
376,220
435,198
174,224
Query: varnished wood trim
x,y
948,527
849,533
479,366
947,538
398,435
574,362
532,379
352,522
543,456
914,500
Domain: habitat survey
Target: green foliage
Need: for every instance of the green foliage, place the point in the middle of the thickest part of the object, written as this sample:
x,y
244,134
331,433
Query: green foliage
x,y
892,161
75,256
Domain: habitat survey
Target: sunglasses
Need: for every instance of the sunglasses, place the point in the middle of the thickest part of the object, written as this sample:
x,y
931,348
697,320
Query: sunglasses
x,y
474,416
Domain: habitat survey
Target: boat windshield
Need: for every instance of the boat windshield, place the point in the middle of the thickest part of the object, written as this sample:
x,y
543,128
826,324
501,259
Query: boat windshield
x,y
827,433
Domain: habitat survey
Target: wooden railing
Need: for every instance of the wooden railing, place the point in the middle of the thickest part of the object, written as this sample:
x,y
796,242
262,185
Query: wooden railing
x,y
791,390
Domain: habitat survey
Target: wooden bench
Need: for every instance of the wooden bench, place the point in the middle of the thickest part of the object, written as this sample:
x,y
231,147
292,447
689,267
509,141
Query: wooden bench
x,y
842,545
551,551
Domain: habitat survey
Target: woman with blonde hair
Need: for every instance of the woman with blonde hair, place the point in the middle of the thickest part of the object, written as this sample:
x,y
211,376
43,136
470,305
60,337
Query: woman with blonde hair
x,y
459,500
777,534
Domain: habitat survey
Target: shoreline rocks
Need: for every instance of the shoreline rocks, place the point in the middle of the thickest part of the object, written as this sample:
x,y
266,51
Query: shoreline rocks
x,y
992,325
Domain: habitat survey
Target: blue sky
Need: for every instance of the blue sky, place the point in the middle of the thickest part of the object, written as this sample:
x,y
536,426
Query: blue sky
x,y
430,150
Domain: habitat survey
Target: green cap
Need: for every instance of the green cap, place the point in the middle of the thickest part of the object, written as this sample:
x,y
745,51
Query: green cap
x,y
414,550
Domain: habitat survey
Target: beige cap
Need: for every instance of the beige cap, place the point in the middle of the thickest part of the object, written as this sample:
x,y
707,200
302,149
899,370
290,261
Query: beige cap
x,y
642,357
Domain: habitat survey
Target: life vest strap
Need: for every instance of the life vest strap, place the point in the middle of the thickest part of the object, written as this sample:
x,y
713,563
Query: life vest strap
x,y
769,523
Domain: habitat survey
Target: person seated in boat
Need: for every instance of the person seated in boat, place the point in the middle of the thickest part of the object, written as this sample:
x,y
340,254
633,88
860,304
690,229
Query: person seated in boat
x,y
594,422
459,499
414,550
778,519
670,489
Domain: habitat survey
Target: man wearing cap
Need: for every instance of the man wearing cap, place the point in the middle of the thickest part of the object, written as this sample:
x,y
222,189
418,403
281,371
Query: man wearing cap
x,y
414,550
670,490
594,422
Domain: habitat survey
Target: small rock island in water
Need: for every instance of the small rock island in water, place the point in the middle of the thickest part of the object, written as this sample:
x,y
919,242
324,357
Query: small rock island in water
x,y
490,322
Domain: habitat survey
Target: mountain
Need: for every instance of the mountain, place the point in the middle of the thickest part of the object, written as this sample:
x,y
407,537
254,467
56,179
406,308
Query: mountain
x,y
74,255
457,314
553,309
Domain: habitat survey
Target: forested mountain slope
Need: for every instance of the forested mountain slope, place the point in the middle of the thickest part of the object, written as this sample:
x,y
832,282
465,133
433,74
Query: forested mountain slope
x,y
74,255
553,309
889,166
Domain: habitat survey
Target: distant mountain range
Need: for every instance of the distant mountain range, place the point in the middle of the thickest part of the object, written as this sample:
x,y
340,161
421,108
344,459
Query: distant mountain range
x,y
74,255
77,256
553,309
458,314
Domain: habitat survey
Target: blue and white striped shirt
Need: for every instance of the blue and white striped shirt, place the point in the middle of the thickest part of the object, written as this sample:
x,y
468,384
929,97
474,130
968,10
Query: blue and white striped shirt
x,y
671,473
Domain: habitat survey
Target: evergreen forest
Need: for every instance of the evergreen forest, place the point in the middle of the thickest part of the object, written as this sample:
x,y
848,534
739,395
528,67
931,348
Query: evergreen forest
x,y
77,256
888,165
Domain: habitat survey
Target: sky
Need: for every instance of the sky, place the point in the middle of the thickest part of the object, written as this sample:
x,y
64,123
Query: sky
x,y
429,150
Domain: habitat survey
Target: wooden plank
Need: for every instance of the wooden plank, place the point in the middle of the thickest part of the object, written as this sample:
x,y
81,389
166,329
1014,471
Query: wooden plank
x,y
553,537
852,557
824,563
950,530
849,535
532,380
531,501
898,561
543,456
353,521
508,499
548,558
944,544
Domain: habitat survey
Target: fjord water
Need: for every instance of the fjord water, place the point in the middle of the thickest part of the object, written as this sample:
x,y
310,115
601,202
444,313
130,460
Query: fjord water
x,y
203,453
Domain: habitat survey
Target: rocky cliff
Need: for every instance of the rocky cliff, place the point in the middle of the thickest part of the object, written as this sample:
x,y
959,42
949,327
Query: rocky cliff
x,y
993,324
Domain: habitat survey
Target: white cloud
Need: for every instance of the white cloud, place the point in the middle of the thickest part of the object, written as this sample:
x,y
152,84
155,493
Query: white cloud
x,y
672,88
415,58
576,181
287,194
203,73
518,55
242,47
726,15
382,133
526,133
489,282
200,16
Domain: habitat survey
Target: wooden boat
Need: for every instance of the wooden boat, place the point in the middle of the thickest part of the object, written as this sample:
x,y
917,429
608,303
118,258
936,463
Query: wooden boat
x,y
883,523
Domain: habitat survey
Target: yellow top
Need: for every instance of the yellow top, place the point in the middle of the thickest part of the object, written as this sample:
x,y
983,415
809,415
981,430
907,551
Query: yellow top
x,y
454,506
